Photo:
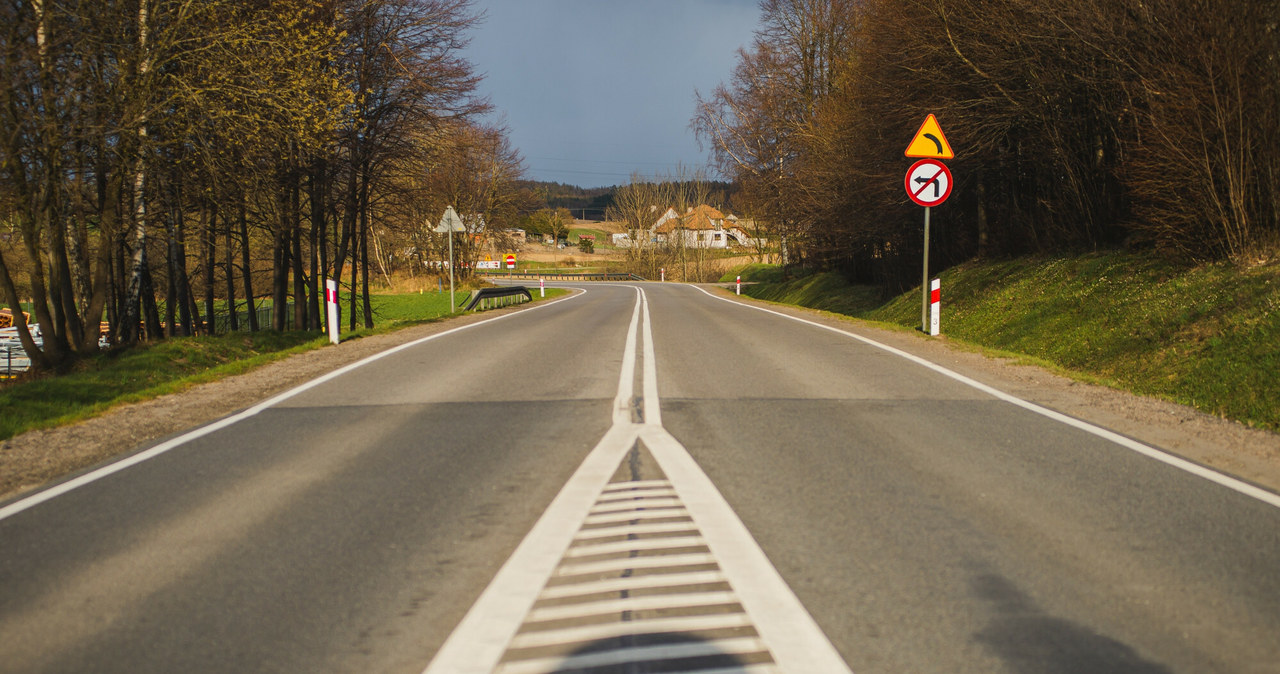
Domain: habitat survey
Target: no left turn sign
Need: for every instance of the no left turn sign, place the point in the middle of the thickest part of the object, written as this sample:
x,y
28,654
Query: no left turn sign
x,y
928,182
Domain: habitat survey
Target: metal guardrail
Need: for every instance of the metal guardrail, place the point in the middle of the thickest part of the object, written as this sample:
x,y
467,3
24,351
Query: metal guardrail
x,y
494,297
534,276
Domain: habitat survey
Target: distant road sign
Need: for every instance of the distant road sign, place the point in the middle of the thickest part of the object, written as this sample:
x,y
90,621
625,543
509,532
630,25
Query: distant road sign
x,y
511,261
930,142
450,222
928,182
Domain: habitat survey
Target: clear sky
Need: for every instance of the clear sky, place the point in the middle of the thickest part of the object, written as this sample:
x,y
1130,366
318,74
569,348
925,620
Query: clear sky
x,y
594,90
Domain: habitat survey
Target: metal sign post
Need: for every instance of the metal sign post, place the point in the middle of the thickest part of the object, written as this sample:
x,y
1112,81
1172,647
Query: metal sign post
x,y
924,278
450,223
928,184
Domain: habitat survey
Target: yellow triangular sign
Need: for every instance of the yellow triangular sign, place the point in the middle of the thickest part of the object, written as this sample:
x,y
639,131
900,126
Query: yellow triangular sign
x,y
929,142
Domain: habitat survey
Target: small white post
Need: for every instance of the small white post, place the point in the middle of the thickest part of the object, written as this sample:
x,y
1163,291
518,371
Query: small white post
x,y
331,304
664,274
935,307
739,291
542,287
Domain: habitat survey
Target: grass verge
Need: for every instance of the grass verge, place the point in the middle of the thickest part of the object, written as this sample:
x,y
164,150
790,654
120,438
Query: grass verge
x,y
171,365
1207,336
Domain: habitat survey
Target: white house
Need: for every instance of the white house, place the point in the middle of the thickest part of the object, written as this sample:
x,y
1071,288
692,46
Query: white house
x,y
701,227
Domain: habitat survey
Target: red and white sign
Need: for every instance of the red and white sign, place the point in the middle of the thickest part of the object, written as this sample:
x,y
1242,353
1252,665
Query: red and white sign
x,y
935,307
928,182
511,261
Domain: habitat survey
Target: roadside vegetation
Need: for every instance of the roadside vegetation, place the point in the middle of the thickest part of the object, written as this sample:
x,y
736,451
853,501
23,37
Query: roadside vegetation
x,y
1206,336
157,368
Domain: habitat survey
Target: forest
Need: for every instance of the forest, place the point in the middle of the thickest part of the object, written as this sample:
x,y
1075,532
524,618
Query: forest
x,y
165,161
1076,124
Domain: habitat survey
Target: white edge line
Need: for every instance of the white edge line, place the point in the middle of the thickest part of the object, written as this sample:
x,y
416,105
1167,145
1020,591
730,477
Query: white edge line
x,y
1162,456
53,492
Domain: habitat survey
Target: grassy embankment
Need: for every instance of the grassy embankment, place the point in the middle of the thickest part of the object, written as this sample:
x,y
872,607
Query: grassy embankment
x,y
1208,336
174,364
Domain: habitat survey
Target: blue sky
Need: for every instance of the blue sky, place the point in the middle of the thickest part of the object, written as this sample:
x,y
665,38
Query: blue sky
x,y
594,90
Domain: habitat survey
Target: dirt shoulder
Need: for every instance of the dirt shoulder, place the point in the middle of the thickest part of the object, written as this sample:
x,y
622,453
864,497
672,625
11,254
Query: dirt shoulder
x,y
32,460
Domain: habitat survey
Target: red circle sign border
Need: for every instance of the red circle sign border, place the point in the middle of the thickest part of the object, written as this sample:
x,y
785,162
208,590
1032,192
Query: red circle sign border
x,y
907,182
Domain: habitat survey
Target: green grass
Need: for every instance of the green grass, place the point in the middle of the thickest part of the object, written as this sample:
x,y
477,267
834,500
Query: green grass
x,y
138,374
174,364
1208,337
413,307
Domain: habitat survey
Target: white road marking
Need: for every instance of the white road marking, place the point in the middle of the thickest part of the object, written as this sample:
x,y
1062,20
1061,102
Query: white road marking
x,y
668,561
1180,463
612,606
630,496
787,632
637,486
637,654
633,506
628,515
640,545
630,583
693,623
70,485
633,530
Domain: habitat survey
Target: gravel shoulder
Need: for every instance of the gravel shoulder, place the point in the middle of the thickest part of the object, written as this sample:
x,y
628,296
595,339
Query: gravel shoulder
x,y
39,458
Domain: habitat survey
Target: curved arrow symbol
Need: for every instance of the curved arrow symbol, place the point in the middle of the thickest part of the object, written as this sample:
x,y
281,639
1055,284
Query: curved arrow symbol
x,y
936,141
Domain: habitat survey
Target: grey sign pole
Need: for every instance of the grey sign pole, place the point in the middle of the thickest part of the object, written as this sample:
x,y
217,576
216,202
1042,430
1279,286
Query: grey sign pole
x,y
924,280
450,223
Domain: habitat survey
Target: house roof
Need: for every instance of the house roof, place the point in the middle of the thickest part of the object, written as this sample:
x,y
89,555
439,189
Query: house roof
x,y
702,217
667,221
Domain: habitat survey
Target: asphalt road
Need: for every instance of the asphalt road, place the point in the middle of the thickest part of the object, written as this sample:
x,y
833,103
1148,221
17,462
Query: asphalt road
x,y
923,524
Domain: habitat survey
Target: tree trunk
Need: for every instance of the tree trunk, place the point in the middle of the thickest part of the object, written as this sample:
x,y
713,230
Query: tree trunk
x,y
233,320
148,296
248,265
364,270
300,303
210,241
170,266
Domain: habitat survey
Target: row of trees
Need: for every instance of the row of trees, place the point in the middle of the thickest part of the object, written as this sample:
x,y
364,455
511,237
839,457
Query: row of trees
x,y
164,160
1076,124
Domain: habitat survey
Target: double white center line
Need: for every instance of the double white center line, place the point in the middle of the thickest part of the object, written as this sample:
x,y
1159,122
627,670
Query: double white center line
x,y
696,539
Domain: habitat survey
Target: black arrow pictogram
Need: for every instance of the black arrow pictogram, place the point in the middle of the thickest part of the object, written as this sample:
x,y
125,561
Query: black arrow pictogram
x,y
937,185
935,140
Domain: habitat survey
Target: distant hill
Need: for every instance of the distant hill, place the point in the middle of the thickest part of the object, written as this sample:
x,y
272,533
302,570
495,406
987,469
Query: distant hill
x,y
586,203
589,203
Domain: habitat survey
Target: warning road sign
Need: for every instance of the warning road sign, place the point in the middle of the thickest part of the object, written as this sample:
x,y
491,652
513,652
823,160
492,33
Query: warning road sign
x,y
930,142
928,182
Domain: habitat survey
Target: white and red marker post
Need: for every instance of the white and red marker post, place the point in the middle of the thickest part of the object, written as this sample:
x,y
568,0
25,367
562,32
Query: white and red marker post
x,y
332,308
739,284
664,274
542,287
935,307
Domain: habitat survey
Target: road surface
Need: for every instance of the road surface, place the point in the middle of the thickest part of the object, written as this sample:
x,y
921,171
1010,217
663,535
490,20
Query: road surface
x,y
643,473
